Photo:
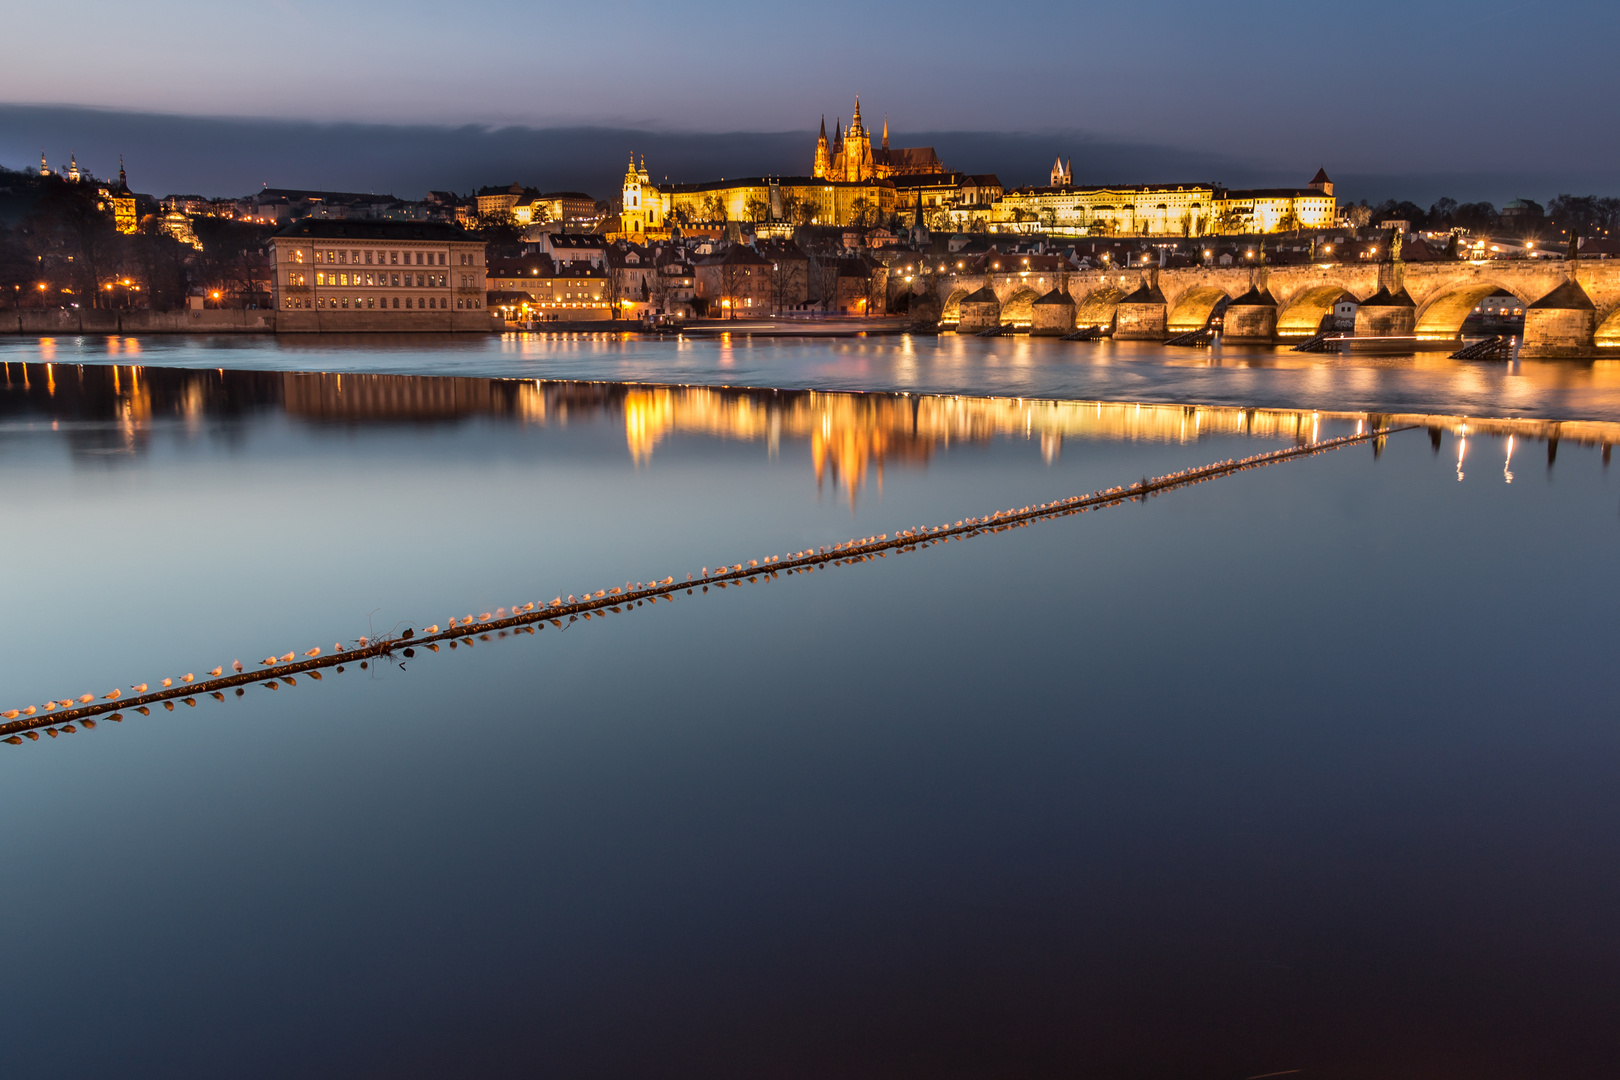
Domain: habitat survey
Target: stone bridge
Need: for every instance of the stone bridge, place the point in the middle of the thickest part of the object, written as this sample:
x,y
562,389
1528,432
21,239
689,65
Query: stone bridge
x,y
1428,300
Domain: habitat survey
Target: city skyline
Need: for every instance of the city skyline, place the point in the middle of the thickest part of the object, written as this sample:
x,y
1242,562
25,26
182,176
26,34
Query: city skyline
x,y
1244,94
216,156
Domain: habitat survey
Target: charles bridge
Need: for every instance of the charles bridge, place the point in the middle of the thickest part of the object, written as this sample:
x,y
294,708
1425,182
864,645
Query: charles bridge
x,y
1571,308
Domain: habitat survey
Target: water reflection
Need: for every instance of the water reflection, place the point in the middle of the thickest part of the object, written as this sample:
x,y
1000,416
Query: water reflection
x,y
110,410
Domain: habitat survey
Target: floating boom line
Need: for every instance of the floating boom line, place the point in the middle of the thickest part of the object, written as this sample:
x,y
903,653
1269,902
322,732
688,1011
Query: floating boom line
x,y
616,599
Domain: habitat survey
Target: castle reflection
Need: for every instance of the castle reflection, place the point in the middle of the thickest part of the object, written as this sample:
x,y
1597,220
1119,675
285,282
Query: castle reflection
x,y
109,410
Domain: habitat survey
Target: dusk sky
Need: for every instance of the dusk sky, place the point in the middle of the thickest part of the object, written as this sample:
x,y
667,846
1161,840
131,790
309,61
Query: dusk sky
x,y
1497,96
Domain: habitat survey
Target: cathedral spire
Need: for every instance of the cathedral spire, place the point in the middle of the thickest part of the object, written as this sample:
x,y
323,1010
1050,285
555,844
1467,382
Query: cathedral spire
x,y
823,126
123,181
885,131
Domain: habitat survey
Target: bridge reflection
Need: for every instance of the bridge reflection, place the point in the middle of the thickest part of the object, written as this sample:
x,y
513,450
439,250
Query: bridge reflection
x,y
112,409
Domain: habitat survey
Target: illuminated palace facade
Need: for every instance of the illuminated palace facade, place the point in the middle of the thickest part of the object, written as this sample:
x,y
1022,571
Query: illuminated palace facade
x,y
1164,209
650,211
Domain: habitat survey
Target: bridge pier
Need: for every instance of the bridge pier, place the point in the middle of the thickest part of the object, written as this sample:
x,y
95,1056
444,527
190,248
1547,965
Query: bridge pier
x,y
1560,324
1052,315
981,310
1252,317
1142,316
1386,314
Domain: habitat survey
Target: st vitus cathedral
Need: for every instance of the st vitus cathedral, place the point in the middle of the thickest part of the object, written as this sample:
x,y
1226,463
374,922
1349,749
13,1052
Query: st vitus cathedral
x,y
851,158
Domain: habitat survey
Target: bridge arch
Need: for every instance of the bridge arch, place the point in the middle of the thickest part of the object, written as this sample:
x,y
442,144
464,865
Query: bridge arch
x,y
1442,315
1019,308
952,311
1193,309
1097,307
1607,335
1303,314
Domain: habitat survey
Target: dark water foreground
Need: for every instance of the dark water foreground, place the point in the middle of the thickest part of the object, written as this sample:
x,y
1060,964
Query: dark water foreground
x,y
1307,768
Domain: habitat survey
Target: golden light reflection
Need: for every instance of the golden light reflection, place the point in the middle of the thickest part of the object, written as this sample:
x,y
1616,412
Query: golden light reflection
x,y
852,438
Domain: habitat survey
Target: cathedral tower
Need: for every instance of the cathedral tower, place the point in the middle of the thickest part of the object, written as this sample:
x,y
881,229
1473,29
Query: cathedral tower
x,y
823,155
853,161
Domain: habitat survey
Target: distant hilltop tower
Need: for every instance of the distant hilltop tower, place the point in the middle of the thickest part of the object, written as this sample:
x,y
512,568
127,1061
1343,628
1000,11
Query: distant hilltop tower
x,y
44,169
73,173
1063,173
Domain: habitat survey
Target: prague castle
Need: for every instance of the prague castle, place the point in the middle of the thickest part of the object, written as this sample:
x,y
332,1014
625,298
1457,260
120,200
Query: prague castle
x,y
853,183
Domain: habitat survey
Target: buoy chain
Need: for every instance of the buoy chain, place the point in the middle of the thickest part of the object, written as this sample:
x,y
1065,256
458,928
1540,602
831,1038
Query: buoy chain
x,y
907,540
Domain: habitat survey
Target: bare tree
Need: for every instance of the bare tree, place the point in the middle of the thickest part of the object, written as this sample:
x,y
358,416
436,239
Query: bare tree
x,y
1289,221
732,278
789,281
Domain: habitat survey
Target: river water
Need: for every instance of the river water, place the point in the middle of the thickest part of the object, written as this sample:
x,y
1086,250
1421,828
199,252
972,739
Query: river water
x,y
1306,768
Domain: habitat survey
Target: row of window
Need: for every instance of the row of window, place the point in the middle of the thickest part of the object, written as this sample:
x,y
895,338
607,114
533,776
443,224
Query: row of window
x,y
416,281
374,257
336,303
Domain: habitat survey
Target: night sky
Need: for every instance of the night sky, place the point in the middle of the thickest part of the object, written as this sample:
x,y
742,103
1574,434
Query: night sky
x,y
1487,100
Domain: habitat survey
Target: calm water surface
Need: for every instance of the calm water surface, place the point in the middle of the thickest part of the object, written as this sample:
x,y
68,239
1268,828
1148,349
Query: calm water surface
x,y
1309,768
947,364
